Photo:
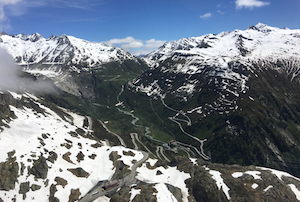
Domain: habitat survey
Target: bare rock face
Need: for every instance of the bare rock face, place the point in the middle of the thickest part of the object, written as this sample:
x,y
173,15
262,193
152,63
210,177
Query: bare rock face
x,y
204,187
79,172
24,188
9,172
74,195
35,187
175,191
52,198
61,181
40,168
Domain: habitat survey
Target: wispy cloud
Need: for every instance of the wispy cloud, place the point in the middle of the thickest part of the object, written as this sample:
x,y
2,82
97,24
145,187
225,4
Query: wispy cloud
x,y
206,16
22,7
250,4
137,46
4,3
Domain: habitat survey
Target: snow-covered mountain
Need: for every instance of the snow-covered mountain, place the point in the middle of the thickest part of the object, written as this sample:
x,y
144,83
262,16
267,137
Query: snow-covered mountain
x,y
73,64
260,42
227,60
69,50
239,90
49,153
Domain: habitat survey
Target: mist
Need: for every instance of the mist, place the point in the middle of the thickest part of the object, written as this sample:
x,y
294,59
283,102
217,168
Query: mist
x,y
14,79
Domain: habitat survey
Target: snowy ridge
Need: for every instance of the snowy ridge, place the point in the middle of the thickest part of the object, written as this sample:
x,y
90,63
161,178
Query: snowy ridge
x,y
33,49
257,42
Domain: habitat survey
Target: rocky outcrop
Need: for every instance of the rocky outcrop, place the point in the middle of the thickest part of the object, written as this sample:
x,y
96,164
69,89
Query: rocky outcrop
x,y
35,187
52,198
40,168
74,195
61,181
79,172
9,172
24,188
121,169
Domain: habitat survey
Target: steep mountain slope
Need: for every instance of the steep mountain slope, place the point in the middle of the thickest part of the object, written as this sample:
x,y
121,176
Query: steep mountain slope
x,y
235,93
52,154
75,65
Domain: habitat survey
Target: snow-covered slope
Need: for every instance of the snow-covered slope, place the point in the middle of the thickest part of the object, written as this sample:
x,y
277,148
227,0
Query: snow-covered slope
x,y
50,154
256,43
32,49
44,150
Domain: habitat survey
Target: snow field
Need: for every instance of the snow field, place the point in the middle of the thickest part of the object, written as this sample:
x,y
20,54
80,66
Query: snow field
x,y
169,175
34,134
163,193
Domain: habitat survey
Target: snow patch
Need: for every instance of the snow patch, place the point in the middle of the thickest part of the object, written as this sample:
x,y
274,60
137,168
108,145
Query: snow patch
x,y
216,175
295,190
254,186
133,193
269,187
163,194
169,175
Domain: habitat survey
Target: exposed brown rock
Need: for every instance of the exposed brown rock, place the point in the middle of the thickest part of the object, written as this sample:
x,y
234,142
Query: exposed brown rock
x,y
80,156
66,157
9,172
79,172
39,168
61,181
24,188
92,156
74,195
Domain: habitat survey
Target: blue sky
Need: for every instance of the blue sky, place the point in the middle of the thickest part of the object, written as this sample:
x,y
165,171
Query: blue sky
x,y
140,26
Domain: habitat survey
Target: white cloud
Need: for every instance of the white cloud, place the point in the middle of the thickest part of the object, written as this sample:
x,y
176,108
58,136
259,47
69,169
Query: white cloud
x,y
137,46
128,39
4,3
132,45
250,3
206,15
153,44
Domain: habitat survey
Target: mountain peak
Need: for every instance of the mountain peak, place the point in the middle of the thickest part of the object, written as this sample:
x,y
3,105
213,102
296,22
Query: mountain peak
x,y
3,33
261,25
60,50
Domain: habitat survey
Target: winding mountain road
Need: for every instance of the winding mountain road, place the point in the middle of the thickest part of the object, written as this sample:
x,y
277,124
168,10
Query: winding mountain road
x,y
189,122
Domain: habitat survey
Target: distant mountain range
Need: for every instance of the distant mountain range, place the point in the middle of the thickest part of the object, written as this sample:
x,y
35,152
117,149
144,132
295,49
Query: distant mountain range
x,y
218,115
32,49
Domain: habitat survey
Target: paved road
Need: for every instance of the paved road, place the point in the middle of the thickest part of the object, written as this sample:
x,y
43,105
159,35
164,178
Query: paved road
x,y
189,122
97,191
120,139
133,141
162,153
